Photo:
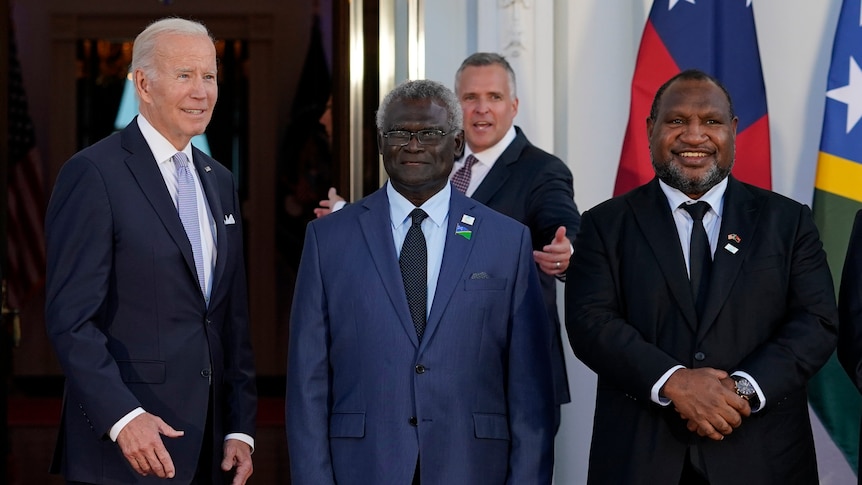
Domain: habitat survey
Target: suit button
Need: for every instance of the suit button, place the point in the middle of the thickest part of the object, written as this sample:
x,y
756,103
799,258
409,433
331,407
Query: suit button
x,y
699,356
413,421
205,373
420,369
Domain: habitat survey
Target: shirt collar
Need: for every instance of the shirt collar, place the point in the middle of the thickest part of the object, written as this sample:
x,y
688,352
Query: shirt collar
x,y
437,207
163,150
714,196
489,156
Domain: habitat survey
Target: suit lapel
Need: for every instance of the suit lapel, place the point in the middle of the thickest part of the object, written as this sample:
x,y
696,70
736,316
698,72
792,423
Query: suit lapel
x,y
501,171
653,216
213,198
376,228
739,217
455,254
146,172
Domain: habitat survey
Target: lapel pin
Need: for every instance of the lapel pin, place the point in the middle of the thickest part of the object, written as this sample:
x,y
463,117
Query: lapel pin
x,y
731,248
207,169
469,220
463,231
735,238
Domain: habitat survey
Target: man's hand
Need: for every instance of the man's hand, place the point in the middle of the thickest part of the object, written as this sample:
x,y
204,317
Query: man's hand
x,y
326,204
554,258
237,454
705,397
141,444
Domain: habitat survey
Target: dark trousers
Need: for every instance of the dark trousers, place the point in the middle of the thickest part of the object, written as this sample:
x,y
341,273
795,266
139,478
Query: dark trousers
x,y
693,474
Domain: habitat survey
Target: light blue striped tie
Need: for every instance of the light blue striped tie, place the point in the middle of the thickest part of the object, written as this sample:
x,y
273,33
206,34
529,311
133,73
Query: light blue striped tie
x,y
187,206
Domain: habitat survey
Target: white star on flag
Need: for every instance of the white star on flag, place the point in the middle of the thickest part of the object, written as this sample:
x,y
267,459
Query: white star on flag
x,y
672,3
851,95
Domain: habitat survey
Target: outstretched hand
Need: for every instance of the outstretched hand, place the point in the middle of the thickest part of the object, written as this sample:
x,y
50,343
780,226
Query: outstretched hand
x,y
141,443
327,204
554,258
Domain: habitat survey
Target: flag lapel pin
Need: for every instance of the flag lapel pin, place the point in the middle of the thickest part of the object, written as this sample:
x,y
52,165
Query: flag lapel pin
x,y
463,228
729,247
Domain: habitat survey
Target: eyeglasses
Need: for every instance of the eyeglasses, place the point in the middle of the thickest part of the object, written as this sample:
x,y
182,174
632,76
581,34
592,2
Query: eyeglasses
x,y
401,138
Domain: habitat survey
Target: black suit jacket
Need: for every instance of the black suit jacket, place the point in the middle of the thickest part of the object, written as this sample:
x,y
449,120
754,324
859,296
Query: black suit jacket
x,y
631,317
126,315
850,311
536,189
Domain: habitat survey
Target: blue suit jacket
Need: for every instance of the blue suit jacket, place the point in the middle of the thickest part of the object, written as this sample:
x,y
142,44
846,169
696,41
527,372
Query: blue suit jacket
x,y
126,315
474,402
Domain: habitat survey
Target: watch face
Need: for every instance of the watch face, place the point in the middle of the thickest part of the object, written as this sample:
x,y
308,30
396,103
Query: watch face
x,y
744,388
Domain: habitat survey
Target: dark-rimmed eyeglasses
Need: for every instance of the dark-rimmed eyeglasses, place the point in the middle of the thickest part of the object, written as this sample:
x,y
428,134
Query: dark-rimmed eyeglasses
x,y
401,138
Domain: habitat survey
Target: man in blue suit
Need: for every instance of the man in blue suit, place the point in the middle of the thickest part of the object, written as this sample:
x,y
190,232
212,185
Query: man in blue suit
x,y
146,298
455,387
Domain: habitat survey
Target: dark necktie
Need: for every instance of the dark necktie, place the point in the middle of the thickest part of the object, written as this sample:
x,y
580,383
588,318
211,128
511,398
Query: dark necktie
x,y
414,271
700,254
187,207
461,179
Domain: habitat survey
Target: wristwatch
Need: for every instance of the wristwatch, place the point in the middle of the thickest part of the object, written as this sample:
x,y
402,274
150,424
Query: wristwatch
x,y
745,390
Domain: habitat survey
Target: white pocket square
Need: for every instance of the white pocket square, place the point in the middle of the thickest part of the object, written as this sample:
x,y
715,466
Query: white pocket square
x,y
228,219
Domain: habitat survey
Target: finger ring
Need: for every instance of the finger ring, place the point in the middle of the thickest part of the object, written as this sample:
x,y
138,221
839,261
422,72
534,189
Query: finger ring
x,y
558,265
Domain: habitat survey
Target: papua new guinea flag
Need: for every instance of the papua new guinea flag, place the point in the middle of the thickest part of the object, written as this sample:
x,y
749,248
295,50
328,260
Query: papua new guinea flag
x,y
715,36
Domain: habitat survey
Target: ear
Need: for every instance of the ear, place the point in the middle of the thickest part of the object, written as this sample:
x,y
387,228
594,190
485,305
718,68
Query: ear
x,y
650,123
380,142
459,144
142,86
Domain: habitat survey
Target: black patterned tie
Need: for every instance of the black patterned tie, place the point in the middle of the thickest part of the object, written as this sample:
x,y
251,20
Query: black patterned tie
x,y
414,271
700,254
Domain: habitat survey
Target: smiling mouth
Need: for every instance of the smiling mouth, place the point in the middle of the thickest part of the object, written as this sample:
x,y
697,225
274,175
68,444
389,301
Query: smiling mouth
x,y
693,154
194,111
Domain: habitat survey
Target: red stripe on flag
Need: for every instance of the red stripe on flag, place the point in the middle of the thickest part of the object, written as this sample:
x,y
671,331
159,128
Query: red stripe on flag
x,y
25,240
654,67
752,148
25,244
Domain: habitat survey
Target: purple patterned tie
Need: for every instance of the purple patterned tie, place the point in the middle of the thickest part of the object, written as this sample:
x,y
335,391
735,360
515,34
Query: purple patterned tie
x,y
187,207
461,179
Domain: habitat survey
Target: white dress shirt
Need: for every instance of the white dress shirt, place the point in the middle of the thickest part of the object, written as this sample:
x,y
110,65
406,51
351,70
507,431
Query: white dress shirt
x,y
433,227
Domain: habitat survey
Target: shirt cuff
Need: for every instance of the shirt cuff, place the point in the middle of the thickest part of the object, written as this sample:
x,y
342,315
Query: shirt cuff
x,y
757,389
241,437
338,205
119,425
654,394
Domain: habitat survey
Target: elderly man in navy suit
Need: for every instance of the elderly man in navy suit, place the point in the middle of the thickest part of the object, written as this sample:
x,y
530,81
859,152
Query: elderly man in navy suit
x,y
419,353
146,294
503,170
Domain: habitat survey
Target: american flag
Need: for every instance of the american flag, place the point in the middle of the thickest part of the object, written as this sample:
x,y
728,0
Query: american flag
x,y
25,258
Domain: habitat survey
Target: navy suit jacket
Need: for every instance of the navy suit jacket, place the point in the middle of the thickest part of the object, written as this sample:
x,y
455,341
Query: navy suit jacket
x,y
473,402
630,317
126,315
536,189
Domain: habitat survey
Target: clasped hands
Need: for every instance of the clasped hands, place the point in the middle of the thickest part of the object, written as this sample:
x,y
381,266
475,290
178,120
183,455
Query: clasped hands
x,y
141,443
706,398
